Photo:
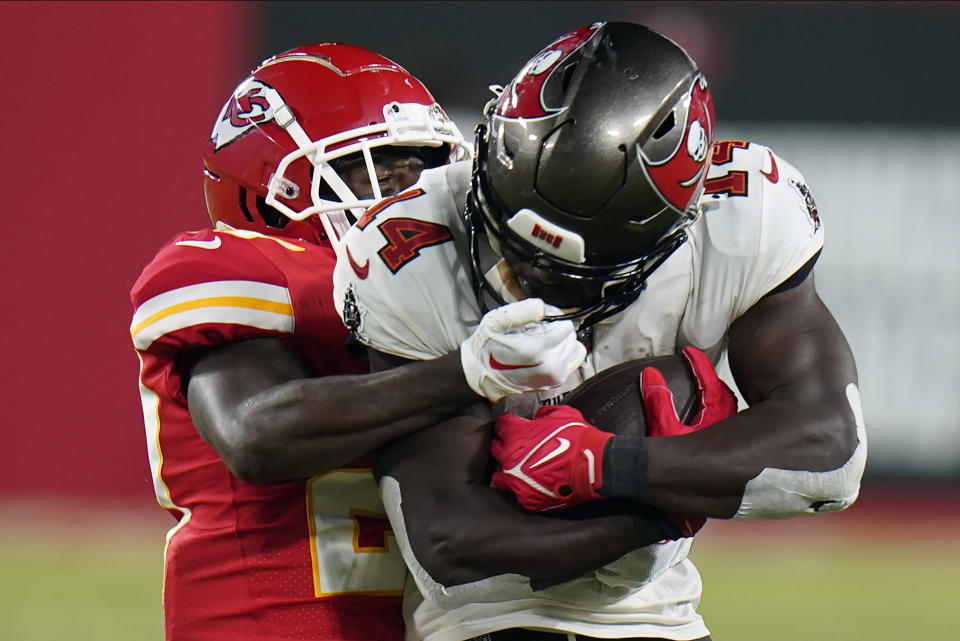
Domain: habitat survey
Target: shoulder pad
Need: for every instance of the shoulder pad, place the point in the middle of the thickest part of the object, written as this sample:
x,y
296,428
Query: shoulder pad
x,y
210,278
387,288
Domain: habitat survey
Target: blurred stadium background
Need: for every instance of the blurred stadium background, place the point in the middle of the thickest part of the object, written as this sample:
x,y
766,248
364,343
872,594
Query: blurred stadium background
x,y
106,109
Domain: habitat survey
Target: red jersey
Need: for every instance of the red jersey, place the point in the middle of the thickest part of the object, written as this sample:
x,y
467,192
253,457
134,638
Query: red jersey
x,y
305,559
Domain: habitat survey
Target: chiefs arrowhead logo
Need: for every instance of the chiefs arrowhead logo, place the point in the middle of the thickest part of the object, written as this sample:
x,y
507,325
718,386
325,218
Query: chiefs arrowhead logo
x,y
246,108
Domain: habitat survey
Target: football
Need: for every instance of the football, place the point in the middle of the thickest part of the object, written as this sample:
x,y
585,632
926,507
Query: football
x,y
611,399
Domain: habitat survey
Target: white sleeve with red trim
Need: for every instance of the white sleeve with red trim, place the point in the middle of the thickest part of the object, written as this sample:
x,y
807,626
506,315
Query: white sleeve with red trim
x,y
759,227
404,280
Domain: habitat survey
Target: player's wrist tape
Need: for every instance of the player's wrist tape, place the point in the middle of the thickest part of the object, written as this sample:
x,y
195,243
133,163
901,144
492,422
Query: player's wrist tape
x,y
624,468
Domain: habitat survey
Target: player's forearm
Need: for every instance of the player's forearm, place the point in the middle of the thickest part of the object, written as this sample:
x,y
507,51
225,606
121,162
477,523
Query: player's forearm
x,y
488,537
308,426
395,401
713,471
462,530
799,448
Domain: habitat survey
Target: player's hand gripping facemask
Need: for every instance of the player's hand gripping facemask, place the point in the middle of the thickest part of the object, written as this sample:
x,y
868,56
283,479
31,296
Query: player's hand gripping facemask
x,y
514,350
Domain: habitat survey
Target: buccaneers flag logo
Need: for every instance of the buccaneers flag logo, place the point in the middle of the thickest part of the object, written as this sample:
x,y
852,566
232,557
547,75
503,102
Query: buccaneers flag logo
x,y
524,97
679,177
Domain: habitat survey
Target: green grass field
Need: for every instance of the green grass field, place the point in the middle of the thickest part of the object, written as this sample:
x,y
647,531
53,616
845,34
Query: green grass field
x,y
876,591
883,571
97,590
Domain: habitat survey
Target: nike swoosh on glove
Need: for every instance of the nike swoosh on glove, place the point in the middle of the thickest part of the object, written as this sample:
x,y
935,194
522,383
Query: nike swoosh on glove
x,y
514,350
554,460
717,402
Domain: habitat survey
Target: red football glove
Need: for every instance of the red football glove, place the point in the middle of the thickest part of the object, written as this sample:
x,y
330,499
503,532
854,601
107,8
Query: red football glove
x,y
554,460
717,402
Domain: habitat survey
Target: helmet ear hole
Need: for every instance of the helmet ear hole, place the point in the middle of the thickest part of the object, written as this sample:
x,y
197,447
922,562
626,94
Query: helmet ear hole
x,y
243,205
270,216
568,76
665,127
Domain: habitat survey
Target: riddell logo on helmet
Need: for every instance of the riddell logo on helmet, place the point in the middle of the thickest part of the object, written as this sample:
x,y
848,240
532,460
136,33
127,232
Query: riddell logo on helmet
x,y
565,244
541,234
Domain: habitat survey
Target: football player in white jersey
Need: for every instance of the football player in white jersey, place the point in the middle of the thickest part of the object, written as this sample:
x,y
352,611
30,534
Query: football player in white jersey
x,y
598,188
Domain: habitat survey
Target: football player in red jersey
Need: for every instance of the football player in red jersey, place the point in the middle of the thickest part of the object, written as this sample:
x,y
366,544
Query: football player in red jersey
x,y
257,416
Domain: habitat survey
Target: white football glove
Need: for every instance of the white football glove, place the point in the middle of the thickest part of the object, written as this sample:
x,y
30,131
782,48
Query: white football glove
x,y
514,350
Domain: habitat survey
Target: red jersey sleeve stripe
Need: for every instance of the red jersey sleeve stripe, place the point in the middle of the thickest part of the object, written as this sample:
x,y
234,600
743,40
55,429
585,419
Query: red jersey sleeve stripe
x,y
238,302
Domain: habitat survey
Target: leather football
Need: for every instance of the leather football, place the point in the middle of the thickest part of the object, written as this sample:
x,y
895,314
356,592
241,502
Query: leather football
x,y
611,400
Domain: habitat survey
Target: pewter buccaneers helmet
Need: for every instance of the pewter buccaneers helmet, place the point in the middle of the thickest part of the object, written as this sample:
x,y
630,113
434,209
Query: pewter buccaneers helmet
x,y
270,163
592,161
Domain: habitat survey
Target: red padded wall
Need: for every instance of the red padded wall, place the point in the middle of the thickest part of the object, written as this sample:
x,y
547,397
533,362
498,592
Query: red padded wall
x,y
106,107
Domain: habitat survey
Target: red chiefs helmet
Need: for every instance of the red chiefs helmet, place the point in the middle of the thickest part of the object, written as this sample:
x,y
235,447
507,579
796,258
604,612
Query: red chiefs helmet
x,y
269,166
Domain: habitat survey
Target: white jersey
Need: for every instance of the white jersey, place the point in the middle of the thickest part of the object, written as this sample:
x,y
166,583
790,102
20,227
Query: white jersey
x,y
406,286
